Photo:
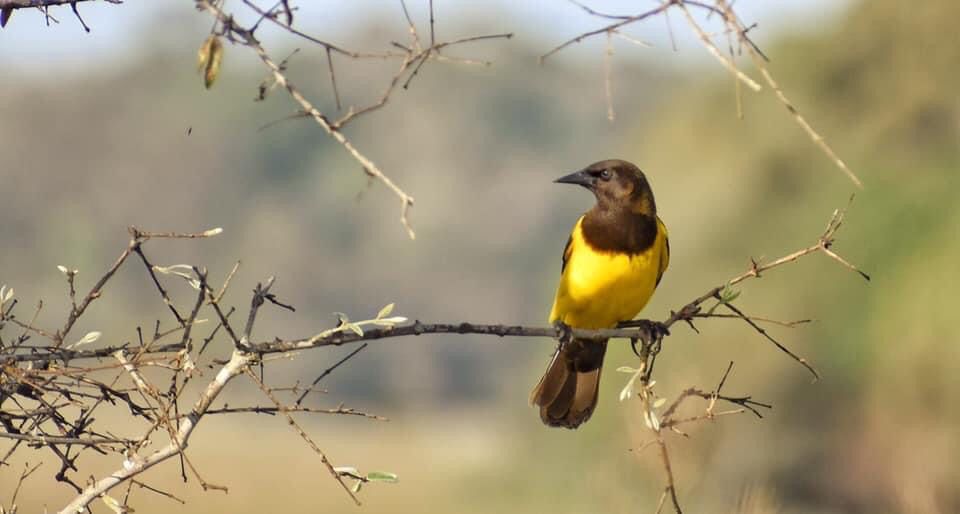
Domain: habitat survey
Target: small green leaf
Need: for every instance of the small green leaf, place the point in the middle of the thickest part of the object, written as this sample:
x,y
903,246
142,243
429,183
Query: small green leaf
x,y
729,294
356,486
651,420
87,339
355,329
115,505
389,322
384,312
382,476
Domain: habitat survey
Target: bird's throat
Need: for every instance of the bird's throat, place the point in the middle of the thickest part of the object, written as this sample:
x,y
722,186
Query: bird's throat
x,y
619,230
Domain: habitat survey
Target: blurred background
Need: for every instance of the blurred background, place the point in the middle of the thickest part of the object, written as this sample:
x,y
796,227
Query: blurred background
x,y
113,128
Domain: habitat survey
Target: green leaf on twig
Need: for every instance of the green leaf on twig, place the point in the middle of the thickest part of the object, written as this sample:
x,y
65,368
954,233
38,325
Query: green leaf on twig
x,y
382,476
727,295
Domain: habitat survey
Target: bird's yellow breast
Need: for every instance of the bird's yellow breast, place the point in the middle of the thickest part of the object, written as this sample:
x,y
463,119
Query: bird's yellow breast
x,y
599,289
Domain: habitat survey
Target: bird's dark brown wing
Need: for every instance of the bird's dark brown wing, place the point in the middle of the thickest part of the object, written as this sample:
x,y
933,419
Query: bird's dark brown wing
x,y
665,256
566,254
665,251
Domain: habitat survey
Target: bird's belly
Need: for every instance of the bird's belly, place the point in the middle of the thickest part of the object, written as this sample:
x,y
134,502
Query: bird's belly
x,y
599,290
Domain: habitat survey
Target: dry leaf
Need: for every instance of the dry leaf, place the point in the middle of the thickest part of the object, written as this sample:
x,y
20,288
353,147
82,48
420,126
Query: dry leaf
x,y
209,58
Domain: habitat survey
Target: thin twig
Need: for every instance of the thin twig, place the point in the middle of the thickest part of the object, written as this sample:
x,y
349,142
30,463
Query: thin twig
x,y
293,423
804,362
328,371
759,60
157,491
137,465
716,53
607,88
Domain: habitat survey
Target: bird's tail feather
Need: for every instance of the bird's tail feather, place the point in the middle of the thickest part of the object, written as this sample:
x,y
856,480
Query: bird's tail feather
x,y
567,392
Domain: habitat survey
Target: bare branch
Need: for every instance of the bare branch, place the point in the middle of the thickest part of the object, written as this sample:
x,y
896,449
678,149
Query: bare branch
x,y
24,4
734,27
135,464
412,55
52,396
45,440
50,376
293,423
714,51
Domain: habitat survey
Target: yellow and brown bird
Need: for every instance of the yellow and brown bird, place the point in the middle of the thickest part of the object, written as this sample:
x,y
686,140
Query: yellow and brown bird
x,y
611,265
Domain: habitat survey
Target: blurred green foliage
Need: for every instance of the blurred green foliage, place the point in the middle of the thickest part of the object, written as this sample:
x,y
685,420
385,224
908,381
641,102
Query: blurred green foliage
x,y
478,147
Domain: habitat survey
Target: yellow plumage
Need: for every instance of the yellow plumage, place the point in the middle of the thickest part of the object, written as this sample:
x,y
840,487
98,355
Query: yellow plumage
x,y
599,289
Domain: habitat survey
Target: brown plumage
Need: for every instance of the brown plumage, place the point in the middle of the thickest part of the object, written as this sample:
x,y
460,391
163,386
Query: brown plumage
x,y
567,392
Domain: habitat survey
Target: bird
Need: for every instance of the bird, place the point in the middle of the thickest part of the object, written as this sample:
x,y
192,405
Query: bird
x,y
613,261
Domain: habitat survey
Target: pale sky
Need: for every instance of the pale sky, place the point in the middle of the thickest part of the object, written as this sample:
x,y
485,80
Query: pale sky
x,y
120,32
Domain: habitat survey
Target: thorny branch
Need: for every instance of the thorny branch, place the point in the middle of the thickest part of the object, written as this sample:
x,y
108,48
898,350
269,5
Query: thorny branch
x,y
733,28
412,57
48,396
415,53
8,7
50,391
41,385
24,4
668,420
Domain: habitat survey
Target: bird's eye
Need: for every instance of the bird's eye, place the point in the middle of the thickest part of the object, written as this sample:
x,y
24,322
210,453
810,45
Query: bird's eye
x,y
605,174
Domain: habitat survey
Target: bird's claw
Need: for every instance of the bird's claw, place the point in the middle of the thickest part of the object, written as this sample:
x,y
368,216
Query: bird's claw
x,y
565,332
657,330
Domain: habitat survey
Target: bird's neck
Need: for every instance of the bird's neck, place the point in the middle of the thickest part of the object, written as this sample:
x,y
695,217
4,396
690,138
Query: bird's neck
x,y
612,229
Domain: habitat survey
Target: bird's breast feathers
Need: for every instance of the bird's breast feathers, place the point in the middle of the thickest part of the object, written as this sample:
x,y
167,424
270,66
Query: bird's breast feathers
x,y
598,289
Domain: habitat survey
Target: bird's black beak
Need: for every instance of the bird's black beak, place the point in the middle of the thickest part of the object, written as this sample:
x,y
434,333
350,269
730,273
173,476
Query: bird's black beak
x,y
580,178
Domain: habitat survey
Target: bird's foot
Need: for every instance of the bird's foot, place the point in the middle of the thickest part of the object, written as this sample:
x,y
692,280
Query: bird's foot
x,y
654,329
657,330
564,331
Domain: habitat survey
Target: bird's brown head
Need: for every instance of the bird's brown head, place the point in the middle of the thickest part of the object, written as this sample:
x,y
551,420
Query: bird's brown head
x,y
617,184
